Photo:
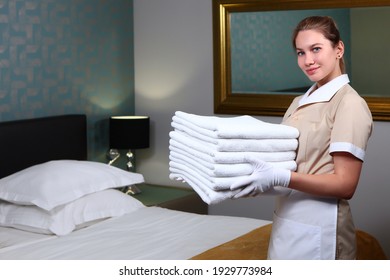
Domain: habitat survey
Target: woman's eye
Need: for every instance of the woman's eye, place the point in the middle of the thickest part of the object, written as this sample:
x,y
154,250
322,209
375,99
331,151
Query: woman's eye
x,y
317,49
300,53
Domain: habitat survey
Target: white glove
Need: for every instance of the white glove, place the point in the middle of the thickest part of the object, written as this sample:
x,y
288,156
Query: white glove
x,y
263,178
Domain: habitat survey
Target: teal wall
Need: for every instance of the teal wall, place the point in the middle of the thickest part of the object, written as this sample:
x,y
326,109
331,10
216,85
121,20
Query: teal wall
x,y
67,56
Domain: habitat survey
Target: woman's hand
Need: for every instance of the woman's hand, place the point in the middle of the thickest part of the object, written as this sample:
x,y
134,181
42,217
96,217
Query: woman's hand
x,y
263,178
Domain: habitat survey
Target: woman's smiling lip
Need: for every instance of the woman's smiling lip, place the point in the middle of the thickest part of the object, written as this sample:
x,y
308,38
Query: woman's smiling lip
x,y
311,71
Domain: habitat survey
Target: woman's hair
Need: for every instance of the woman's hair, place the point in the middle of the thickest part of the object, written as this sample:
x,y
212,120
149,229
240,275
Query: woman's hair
x,y
324,24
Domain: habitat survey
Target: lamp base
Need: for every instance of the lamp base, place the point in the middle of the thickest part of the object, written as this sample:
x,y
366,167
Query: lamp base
x,y
131,190
113,155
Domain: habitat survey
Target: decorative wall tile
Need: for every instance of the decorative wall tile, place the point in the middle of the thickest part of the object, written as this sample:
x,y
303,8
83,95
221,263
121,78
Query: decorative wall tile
x,y
67,56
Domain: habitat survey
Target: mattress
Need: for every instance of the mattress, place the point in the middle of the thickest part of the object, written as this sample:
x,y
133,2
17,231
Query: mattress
x,y
146,234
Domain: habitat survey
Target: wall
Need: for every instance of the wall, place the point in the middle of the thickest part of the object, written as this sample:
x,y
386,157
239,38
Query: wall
x,y
174,71
67,56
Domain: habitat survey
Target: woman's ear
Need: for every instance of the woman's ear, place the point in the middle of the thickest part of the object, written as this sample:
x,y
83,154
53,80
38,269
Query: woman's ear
x,y
340,49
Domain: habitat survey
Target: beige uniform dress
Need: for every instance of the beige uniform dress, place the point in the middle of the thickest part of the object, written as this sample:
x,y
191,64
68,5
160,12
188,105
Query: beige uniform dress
x,y
333,118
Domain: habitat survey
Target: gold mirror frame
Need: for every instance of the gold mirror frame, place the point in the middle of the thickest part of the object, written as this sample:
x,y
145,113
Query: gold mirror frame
x,y
268,104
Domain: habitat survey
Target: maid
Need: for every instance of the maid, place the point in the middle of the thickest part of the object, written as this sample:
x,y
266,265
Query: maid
x,y
314,221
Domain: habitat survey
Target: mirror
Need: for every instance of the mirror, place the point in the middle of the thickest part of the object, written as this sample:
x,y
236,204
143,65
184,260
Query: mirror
x,y
241,86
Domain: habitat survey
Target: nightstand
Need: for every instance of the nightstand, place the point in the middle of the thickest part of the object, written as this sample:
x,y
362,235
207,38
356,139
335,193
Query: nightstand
x,y
171,198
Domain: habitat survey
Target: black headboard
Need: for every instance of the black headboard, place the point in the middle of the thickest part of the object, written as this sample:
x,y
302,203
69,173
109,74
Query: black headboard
x,y
24,143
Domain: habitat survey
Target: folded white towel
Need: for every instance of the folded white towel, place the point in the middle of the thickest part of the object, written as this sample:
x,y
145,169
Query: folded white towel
x,y
235,127
204,159
237,144
242,145
218,176
193,132
261,145
209,154
208,195
222,183
223,169
213,183
214,170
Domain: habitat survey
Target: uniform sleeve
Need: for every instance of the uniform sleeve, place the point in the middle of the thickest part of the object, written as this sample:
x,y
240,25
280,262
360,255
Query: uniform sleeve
x,y
352,126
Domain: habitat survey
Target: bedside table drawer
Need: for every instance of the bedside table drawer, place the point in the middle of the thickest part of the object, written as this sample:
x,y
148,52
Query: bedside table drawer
x,y
171,198
190,203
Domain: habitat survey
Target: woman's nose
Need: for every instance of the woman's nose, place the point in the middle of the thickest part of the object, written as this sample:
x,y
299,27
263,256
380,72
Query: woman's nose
x,y
309,60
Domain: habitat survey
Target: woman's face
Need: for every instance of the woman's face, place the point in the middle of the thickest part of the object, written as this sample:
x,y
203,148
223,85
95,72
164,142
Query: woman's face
x,y
317,58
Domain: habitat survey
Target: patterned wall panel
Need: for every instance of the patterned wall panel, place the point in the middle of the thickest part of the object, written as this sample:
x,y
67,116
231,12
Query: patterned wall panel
x,y
67,56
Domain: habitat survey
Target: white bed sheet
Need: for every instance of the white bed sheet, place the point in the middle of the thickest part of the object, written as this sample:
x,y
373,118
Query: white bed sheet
x,y
146,234
12,238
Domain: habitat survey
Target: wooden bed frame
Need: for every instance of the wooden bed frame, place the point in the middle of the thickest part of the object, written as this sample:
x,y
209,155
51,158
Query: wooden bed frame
x,y
27,142
254,246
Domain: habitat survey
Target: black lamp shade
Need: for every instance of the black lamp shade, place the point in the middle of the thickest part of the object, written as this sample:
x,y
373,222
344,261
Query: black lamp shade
x,y
129,132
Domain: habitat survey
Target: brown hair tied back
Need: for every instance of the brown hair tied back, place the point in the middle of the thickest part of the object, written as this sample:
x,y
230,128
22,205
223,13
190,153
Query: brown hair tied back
x,y
324,24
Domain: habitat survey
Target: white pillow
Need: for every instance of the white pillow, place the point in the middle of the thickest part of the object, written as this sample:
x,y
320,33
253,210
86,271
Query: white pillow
x,y
54,183
65,218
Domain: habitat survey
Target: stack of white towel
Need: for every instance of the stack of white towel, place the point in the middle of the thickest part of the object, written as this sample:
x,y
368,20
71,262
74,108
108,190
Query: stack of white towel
x,y
208,152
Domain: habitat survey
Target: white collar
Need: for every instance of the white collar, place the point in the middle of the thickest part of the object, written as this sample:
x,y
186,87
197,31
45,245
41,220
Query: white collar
x,y
325,92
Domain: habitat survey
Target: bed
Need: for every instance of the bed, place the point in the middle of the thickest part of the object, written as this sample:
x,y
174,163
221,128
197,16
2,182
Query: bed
x,y
48,213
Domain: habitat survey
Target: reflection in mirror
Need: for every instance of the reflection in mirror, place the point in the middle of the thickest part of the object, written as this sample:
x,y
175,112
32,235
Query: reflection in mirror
x,y
255,65
262,59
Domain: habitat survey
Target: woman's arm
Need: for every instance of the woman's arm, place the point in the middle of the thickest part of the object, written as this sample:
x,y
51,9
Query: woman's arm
x,y
341,184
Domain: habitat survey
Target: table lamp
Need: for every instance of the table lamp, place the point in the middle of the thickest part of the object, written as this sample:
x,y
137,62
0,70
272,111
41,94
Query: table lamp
x,y
128,132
